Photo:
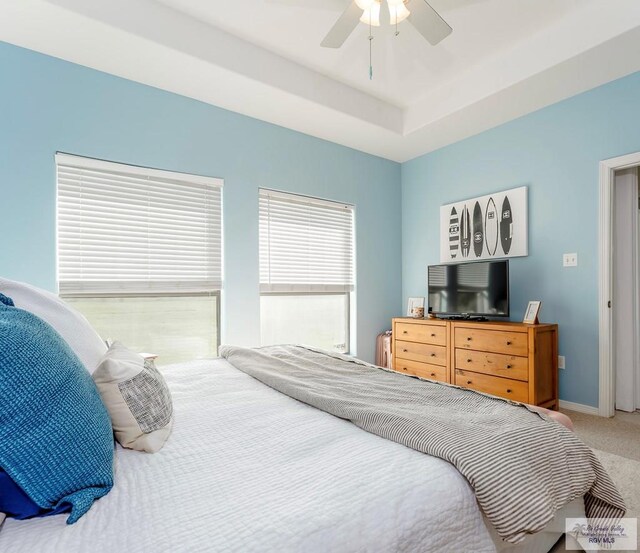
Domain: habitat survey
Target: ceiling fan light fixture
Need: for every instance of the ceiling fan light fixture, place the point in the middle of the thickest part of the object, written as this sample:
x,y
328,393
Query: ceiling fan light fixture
x,y
397,11
371,15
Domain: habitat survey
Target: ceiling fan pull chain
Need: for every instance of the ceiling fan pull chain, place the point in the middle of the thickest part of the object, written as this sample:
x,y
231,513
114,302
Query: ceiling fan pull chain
x,y
370,55
397,32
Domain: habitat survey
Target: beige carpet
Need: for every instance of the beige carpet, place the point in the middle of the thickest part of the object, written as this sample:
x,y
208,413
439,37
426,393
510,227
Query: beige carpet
x,y
619,435
616,442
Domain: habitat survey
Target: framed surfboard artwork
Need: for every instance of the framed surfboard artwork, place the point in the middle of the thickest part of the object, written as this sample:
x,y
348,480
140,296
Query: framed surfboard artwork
x,y
488,227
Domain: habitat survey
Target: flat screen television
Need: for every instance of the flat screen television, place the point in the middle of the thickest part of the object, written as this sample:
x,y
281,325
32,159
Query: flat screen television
x,y
479,289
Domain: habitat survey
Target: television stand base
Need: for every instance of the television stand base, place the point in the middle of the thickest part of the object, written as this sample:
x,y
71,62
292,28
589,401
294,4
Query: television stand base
x,y
465,318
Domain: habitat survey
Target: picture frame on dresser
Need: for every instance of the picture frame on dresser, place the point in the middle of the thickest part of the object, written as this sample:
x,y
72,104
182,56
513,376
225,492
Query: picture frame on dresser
x,y
414,303
531,314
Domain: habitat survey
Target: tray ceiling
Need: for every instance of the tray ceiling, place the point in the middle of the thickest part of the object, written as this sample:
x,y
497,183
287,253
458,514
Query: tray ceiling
x,y
262,58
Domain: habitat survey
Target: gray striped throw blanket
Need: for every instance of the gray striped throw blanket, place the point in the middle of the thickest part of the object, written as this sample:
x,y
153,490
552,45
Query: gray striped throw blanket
x,y
522,466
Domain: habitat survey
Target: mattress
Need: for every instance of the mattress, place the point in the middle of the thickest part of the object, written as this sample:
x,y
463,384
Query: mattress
x,y
249,469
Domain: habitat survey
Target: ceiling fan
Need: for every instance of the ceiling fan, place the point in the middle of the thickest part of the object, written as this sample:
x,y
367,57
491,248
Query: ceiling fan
x,y
419,13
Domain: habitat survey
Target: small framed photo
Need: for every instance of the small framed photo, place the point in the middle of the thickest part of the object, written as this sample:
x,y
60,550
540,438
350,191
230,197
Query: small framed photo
x,y
531,314
415,307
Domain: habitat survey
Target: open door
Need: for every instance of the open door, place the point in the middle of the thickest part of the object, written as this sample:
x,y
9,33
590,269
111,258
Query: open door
x,y
626,291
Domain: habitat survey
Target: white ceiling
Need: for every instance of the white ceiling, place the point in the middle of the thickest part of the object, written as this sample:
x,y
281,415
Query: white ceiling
x,y
262,58
406,67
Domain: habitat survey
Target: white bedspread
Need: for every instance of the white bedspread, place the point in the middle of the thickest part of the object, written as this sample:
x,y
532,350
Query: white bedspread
x,y
249,469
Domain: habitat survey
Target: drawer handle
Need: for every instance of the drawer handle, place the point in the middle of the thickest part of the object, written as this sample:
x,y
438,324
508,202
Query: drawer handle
x,y
508,343
433,355
405,332
469,382
508,390
433,335
468,360
508,366
405,350
468,338
433,374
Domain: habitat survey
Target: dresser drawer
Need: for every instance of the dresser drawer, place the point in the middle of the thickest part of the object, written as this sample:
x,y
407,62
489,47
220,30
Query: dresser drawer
x,y
495,341
425,353
428,334
507,388
423,370
495,364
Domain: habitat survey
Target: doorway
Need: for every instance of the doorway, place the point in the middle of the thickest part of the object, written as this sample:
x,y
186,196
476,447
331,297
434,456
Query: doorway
x,y
607,275
625,298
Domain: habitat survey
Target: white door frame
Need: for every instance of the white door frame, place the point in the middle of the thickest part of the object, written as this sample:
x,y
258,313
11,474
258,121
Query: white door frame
x,y
608,167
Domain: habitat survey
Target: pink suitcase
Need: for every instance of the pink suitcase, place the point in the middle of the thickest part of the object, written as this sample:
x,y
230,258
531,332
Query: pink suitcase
x,y
383,349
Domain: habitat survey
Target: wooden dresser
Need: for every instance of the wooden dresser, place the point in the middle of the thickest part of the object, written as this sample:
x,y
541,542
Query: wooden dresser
x,y
512,360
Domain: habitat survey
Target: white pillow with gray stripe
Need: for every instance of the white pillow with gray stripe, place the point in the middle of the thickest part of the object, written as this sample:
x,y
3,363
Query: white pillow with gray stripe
x,y
137,398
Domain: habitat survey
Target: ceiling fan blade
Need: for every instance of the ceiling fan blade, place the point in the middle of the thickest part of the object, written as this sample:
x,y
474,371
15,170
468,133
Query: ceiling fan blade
x,y
428,21
345,25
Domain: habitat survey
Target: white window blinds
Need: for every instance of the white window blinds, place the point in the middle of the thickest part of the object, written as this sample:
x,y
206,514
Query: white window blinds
x,y
306,244
134,230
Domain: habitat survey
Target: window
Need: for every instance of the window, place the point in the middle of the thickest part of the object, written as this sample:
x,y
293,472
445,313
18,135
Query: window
x,y
140,254
306,270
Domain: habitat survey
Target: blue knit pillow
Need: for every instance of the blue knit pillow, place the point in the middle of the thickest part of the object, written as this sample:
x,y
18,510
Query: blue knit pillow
x,y
16,504
56,440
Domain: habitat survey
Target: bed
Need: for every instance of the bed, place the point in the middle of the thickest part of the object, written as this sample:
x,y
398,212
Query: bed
x,y
250,469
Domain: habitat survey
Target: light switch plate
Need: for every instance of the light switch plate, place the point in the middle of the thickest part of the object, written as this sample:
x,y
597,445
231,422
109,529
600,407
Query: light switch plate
x,y
561,361
570,260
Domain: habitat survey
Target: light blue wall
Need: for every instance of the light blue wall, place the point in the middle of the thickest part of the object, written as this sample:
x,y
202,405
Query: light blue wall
x,y
555,152
48,105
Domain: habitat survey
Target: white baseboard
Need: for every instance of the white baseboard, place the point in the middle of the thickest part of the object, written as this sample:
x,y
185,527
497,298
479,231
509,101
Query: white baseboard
x,y
588,409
